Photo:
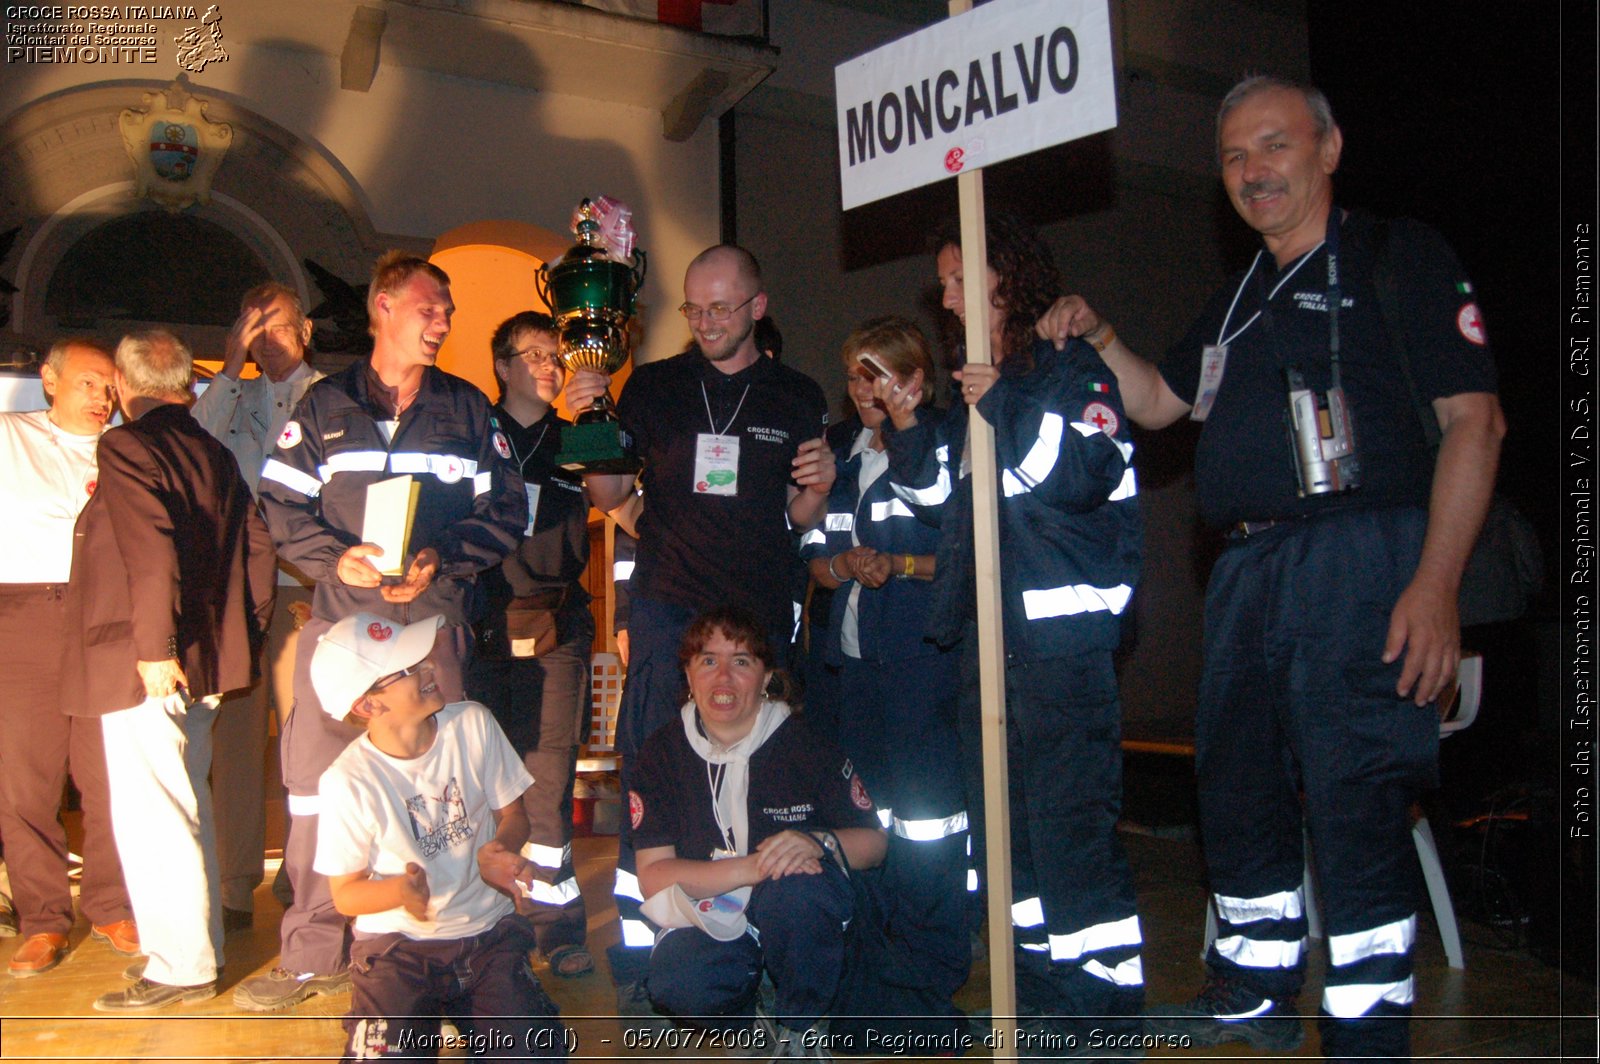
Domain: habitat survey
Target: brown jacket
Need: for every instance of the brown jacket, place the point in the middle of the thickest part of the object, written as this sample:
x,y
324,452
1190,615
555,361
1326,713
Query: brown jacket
x,y
169,560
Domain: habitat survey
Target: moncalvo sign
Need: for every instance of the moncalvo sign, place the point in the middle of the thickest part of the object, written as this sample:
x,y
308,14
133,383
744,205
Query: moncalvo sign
x,y
1004,79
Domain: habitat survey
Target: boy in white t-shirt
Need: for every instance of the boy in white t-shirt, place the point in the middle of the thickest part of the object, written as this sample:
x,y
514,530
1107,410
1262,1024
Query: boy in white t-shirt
x,y
421,826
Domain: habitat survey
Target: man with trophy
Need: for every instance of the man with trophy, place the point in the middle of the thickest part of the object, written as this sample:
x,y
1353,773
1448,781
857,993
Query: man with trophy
x,y
732,457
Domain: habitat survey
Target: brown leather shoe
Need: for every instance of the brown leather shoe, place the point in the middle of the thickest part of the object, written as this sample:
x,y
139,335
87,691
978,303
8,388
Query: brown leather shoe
x,y
38,954
122,936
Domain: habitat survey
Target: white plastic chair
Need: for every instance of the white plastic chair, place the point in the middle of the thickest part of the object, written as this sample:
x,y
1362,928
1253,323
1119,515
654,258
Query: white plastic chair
x,y
605,695
1459,708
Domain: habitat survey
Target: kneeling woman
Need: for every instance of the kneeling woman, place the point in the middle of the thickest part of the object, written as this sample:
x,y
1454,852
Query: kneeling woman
x,y
739,802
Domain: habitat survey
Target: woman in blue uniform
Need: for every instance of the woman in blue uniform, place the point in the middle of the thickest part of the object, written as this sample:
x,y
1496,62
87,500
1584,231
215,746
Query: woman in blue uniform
x,y
897,688
1071,543
740,814
532,663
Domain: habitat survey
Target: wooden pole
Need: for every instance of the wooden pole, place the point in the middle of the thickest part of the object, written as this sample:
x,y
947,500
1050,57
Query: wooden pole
x,y
991,637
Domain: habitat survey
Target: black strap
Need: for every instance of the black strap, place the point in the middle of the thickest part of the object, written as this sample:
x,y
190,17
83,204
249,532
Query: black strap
x,y
1383,276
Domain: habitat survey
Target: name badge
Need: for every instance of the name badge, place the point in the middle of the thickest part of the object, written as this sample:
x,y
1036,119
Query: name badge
x,y
533,507
716,464
1213,360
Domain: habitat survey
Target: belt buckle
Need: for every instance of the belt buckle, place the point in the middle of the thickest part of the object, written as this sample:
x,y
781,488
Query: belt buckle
x,y
1246,529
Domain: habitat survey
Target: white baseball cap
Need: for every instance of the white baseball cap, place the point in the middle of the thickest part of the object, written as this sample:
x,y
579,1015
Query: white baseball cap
x,y
362,649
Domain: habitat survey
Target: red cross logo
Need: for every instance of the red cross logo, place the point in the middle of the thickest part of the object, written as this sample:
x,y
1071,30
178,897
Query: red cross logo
x,y
954,159
1101,417
718,451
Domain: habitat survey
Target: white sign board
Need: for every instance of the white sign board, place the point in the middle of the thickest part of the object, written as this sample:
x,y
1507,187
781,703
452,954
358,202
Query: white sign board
x,y
1004,79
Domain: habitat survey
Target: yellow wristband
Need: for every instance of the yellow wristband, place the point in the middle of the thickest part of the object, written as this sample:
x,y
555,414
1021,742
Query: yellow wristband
x,y
911,566
1108,336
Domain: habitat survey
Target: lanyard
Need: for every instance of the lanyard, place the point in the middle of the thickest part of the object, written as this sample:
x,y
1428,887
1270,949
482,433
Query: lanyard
x,y
1223,337
714,782
522,462
1334,290
712,421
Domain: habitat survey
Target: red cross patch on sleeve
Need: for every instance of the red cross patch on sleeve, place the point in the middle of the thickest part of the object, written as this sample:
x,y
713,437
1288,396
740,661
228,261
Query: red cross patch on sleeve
x,y
858,793
1470,322
1101,417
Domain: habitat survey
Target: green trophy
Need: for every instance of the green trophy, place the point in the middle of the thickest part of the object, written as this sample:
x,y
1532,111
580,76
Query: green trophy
x,y
592,295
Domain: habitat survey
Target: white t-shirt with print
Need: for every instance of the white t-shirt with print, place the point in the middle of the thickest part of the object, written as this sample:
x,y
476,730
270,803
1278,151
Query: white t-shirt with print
x,y
437,810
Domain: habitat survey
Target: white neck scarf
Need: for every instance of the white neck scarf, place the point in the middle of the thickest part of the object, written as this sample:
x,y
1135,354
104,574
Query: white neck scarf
x,y
730,801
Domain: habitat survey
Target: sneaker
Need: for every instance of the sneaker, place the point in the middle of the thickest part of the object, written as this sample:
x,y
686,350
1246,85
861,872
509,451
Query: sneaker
x,y
144,995
8,917
1040,1037
281,988
635,1009
760,1042
1227,1011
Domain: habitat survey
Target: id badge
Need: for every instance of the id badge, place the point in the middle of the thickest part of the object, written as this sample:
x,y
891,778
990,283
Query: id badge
x,y
716,464
533,507
1213,360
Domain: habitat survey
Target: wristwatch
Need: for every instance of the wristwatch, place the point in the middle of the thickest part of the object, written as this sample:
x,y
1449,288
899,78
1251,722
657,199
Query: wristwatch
x,y
828,842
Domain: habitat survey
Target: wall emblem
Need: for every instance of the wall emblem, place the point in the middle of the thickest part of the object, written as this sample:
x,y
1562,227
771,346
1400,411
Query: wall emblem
x,y
176,149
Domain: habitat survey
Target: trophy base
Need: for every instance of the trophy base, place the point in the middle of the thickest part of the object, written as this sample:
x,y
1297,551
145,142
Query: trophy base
x,y
597,447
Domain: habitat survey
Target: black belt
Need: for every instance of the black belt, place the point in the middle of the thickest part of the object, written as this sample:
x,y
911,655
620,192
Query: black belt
x,y
1246,529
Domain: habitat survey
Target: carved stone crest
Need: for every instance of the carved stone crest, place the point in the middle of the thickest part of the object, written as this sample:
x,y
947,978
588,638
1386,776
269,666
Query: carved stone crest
x,y
175,149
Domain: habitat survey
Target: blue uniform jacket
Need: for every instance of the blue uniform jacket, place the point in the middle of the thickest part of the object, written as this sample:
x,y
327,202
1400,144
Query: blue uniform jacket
x,y
471,507
892,618
1071,537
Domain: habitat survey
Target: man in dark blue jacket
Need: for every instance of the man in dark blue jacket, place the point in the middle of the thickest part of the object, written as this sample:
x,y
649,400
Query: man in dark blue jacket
x,y
393,414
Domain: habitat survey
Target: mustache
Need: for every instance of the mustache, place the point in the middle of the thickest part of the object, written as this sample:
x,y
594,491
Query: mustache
x,y
1256,188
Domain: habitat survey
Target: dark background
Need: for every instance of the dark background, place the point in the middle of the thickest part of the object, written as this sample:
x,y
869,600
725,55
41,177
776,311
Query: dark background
x,y
1452,114
1479,118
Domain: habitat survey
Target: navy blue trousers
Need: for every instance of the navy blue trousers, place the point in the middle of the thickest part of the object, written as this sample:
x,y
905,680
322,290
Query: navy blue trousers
x,y
654,692
798,939
897,723
1296,701
1072,903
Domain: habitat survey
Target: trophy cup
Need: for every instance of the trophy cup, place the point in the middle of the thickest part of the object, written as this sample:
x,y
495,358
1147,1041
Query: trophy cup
x,y
591,295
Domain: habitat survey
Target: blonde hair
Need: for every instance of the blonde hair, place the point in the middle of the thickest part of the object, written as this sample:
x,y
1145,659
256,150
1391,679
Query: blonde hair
x,y
898,343
391,272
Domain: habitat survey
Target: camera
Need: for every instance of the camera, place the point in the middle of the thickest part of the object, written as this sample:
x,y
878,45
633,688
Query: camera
x,y
1322,438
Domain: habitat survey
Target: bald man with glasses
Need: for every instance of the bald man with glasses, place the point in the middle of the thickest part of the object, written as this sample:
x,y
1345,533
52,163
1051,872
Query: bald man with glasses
x,y
733,459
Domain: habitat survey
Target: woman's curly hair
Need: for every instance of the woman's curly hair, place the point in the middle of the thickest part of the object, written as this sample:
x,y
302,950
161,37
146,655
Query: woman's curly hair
x,y
1029,281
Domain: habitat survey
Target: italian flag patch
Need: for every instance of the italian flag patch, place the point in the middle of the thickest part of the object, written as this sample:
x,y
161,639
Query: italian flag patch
x,y
1101,387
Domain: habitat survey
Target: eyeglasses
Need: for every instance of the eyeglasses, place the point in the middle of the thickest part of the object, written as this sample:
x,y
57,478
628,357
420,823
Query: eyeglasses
x,y
540,359
718,312
393,678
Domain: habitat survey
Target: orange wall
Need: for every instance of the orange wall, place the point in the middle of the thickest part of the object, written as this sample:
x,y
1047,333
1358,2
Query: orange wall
x,y
492,267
